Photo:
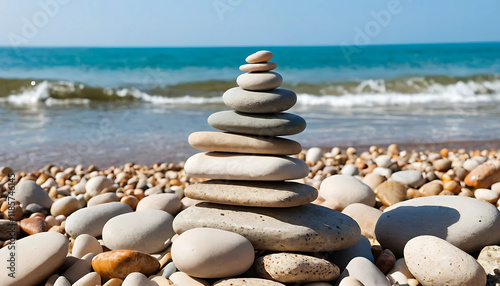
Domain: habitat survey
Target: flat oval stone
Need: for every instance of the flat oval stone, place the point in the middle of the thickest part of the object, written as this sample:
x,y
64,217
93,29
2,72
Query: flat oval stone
x,y
276,100
65,206
239,143
120,263
97,184
306,228
102,199
467,223
258,67
37,257
147,231
165,202
295,268
365,271
91,220
232,166
412,178
247,282
254,194
260,56
339,191
434,261
390,192
265,125
28,192
259,81
212,253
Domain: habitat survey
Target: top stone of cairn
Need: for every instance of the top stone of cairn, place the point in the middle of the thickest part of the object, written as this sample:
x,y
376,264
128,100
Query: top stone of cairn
x,y
259,57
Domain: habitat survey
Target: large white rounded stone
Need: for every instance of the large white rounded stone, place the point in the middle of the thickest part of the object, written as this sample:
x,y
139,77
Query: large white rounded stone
x,y
434,261
467,223
28,192
339,191
147,231
36,257
212,253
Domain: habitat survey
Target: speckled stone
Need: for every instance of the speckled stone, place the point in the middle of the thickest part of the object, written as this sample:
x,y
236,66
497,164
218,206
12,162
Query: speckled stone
x,y
295,268
305,228
239,143
434,261
256,194
266,125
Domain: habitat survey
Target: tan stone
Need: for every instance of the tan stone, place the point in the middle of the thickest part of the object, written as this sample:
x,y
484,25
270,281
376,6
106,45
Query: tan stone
x,y
258,67
239,143
295,268
391,193
259,57
259,194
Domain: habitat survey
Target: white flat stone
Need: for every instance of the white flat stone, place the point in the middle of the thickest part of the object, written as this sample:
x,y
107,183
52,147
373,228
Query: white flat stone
x,y
232,166
258,67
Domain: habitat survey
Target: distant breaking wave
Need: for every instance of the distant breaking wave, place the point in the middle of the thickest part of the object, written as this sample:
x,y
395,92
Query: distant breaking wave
x,y
422,90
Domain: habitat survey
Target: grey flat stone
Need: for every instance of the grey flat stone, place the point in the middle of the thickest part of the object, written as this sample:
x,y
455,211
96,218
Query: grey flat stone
x,y
275,100
265,125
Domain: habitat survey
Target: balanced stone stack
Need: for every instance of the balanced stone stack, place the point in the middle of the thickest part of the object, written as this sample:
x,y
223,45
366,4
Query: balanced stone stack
x,y
250,191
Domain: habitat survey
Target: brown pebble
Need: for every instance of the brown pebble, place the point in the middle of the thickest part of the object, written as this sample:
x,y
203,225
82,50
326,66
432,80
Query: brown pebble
x,y
484,175
444,153
33,225
390,192
385,261
130,200
431,189
57,228
376,251
120,263
452,186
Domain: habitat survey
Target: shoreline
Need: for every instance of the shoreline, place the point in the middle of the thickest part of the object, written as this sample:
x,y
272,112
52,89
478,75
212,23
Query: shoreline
x,y
181,152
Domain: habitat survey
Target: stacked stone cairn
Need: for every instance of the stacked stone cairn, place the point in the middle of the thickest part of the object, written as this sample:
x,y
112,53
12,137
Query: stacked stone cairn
x,y
254,201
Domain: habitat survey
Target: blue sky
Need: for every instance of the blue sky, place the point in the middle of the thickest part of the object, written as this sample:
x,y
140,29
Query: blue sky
x,y
245,22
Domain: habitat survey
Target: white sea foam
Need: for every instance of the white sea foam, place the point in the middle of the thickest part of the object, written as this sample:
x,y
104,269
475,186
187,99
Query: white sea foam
x,y
366,94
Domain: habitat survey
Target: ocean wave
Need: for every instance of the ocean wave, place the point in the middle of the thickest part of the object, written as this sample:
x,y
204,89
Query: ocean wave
x,y
424,90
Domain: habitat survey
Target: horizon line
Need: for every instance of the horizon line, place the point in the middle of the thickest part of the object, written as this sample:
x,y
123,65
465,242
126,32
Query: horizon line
x,y
253,46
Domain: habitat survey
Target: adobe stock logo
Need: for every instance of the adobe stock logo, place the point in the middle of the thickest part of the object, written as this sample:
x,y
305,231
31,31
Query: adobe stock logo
x,y
48,9
371,29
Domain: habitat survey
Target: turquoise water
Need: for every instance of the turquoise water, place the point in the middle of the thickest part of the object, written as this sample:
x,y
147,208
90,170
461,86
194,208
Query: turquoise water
x,y
113,105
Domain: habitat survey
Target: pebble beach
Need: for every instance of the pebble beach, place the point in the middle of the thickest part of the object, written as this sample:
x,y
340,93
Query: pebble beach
x,y
256,208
